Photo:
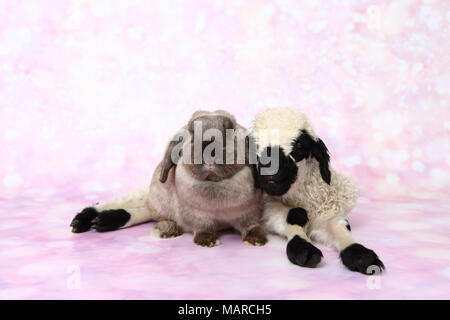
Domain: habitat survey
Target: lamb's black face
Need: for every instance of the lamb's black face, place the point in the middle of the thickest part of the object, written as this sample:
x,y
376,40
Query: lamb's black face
x,y
278,180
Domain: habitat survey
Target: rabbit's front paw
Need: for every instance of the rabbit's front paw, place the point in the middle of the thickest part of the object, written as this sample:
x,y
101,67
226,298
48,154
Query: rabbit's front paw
x,y
167,229
206,239
256,236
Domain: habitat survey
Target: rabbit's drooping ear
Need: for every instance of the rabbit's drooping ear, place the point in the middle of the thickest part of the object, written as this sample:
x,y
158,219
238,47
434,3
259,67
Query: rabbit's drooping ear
x,y
305,146
320,152
170,159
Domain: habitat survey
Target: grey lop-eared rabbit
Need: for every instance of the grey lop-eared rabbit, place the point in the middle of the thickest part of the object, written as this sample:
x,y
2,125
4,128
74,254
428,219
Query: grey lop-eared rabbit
x,y
185,196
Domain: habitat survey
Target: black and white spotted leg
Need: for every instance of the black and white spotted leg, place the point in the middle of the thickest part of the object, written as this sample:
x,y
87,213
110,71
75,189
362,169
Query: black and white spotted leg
x,y
110,220
299,249
124,212
354,255
107,220
83,220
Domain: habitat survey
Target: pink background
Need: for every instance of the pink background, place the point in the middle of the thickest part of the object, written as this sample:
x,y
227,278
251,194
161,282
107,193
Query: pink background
x,y
91,91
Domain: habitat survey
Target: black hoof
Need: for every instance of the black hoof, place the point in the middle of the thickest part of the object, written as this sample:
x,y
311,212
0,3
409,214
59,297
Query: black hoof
x,y
83,220
110,220
358,258
303,253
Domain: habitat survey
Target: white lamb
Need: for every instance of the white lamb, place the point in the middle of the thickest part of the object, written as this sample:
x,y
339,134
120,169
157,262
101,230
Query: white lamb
x,y
305,198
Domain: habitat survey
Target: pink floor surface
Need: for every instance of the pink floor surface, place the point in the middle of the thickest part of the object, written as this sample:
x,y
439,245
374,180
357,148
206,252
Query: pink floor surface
x,y
41,259
91,91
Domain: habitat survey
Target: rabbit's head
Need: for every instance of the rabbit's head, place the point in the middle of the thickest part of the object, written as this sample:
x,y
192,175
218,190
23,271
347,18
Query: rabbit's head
x,y
212,146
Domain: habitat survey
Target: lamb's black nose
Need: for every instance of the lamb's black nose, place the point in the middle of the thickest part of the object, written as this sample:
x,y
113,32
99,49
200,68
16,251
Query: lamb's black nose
x,y
276,170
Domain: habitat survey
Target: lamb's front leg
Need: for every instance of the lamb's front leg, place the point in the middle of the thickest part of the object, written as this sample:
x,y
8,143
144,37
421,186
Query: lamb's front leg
x,y
354,255
290,222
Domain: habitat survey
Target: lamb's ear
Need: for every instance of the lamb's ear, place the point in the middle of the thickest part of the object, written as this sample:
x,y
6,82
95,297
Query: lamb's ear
x,y
320,152
305,146
170,157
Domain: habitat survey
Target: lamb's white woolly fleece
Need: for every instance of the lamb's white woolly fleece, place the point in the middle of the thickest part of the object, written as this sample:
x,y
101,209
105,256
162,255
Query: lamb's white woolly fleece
x,y
326,205
133,202
279,126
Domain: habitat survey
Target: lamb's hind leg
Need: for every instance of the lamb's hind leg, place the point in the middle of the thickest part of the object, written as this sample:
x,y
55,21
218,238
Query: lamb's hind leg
x,y
354,256
113,219
121,213
82,221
